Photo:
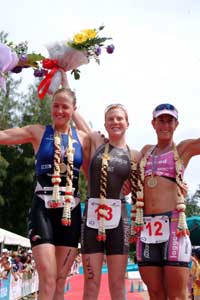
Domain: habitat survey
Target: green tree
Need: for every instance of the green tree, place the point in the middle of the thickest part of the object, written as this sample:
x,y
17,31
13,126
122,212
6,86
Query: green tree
x,y
193,203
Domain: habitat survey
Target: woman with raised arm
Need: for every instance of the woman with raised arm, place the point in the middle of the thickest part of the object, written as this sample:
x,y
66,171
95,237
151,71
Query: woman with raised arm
x,y
55,216
105,228
164,247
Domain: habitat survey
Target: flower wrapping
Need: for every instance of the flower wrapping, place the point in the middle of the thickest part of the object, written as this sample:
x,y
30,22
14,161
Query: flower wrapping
x,y
68,59
8,60
64,56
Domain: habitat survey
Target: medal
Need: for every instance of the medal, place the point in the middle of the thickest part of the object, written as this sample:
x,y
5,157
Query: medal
x,y
63,167
152,181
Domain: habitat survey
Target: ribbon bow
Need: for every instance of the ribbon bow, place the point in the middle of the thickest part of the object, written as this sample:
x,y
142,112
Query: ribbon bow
x,y
49,64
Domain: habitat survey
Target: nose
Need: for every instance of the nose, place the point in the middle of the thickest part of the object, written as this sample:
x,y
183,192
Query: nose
x,y
60,109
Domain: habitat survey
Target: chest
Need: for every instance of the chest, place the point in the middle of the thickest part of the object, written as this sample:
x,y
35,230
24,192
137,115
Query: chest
x,y
118,163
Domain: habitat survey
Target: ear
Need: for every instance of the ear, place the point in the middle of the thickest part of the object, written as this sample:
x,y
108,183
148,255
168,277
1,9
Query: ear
x,y
153,123
75,107
177,123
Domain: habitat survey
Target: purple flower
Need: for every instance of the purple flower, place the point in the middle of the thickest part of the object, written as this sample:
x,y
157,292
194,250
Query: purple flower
x,y
16,69
98,51
39,72
110,49
23,58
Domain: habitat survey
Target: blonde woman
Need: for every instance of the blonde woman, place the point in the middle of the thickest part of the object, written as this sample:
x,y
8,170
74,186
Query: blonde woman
x,y
105,228
55,216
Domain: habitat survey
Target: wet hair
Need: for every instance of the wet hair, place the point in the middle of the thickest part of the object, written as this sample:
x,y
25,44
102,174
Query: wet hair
x,y
115,106
66,91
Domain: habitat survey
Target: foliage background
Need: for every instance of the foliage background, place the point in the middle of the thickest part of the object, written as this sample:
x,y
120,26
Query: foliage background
x,y
17,176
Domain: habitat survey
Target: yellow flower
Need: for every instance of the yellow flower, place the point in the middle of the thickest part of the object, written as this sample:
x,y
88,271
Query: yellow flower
x,y
79,38
90,33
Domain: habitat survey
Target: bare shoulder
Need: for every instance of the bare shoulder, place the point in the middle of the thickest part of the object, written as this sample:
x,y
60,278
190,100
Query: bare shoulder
x,y
36,129
145,149
97,138
136,154
82,135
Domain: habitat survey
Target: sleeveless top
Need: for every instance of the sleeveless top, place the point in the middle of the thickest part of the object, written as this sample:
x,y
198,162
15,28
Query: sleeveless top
x,y
44,158
119,169
161,165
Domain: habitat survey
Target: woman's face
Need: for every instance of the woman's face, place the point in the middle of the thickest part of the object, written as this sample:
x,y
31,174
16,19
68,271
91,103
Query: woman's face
x,y
62,109
116,122
165,126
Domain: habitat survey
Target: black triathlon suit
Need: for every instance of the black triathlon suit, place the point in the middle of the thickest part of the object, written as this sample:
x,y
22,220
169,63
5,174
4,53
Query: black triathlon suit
x,y
119,168
44,224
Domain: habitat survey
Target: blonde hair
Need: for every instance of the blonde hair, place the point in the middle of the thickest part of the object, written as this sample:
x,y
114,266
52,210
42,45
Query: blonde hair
x,y
115,106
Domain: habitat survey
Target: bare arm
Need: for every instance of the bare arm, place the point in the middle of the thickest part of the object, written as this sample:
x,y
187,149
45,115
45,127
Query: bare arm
x,y
96,138
27,134
86,155
189,148
81,123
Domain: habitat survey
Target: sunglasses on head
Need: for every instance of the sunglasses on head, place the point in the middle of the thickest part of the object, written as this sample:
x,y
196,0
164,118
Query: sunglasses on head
x,y
115,105
165,106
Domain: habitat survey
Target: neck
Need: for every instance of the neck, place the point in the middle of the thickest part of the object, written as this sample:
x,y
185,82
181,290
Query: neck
x,y
62,129
161,145
120,143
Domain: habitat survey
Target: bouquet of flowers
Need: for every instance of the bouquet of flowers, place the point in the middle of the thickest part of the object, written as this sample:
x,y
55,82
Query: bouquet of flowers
x,y
13,58
68,56
64,56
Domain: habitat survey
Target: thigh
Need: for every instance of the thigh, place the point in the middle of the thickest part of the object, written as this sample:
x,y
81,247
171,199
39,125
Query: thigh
x,y
153,277
45,259
65,257
116,267
150,254
176,279
89,243
67,236
39,223
92,264
117,239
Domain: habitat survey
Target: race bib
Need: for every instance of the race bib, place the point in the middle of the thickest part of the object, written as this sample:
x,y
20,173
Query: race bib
x,y
113,213
48,198
156,230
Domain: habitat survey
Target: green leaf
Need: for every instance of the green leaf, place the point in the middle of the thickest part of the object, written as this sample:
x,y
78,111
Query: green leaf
x,y
76,73
32,57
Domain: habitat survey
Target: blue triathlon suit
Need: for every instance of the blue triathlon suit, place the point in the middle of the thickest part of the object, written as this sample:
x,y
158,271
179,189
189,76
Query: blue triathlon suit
x,y
45,223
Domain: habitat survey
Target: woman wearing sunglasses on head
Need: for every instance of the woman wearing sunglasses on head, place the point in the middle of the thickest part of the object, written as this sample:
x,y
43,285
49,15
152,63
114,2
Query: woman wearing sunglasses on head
x,y
164,248
105,228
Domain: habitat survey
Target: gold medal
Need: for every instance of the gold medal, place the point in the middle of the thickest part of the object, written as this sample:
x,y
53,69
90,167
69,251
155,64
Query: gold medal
x,y
63,167
152,181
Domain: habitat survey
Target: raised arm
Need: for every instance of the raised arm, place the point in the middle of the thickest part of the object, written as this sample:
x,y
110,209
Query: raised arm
x,y
189,148
81,123
96,138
